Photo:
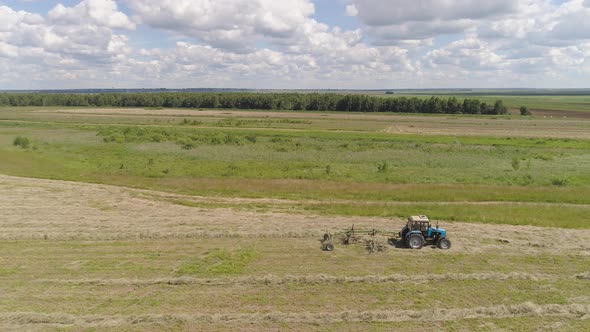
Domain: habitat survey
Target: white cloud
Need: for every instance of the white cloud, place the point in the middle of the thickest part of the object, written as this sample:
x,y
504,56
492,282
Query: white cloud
x,y
351,10
69,43
226,23
9,18
393,20
284,44
390,12
7,50
99,12
467,54
360,64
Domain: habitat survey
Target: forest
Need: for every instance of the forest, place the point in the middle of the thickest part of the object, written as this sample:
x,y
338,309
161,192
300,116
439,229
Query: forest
x,y
262,101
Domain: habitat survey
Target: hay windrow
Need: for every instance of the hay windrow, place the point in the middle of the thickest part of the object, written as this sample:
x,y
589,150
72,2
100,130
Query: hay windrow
x,y
526,309
303,279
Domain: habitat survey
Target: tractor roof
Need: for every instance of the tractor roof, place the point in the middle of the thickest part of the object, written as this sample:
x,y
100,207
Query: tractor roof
x,y
418,218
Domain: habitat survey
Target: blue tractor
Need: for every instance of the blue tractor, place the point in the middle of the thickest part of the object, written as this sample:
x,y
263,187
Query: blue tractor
x,y
419,232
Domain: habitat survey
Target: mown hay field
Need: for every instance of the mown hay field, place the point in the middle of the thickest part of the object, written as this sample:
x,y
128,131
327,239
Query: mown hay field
x,y
128,219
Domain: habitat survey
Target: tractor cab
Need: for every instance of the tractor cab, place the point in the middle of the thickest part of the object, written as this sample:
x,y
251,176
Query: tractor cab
x,y
418,231
419,223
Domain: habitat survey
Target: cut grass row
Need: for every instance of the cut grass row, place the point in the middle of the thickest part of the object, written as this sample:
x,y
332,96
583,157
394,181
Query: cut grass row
x,y
20,321
175,299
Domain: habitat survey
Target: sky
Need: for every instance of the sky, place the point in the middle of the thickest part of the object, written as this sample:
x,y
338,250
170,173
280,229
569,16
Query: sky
x,y
294,44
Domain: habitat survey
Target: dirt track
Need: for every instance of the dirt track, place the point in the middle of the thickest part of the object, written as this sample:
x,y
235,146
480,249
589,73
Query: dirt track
x,y
60,210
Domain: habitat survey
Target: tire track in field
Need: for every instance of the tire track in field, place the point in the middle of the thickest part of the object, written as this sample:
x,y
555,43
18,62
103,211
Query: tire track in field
x,y
526,309
313,279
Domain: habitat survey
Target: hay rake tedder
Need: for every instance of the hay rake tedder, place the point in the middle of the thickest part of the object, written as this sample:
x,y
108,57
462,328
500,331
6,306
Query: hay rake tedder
x,y
415,234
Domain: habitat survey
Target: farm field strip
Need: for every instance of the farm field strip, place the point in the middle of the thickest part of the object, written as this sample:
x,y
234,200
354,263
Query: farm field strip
x,y
73,210
297,121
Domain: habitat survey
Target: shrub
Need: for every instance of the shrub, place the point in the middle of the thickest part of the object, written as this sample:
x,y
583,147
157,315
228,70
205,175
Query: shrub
x,y
116,138
232,139
560,182
525,180
21,141
524,111
187,122
157,138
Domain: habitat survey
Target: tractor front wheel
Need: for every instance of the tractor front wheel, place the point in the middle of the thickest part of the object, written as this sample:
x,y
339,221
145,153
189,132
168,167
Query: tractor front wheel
x,y
444,243
329,247
416,241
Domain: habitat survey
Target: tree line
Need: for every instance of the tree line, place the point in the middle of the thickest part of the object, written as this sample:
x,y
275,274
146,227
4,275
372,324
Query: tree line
x,y
264,101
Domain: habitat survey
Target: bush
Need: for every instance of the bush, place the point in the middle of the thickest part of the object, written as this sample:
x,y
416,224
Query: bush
x,y
524,111
560,182
116,138
187,122
21,141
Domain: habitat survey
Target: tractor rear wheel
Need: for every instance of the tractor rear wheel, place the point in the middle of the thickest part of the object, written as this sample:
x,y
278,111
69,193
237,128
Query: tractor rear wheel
x,y
416,241
444,243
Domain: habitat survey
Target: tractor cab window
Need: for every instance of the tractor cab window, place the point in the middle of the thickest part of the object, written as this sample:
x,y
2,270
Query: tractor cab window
x,y
414,225
424,227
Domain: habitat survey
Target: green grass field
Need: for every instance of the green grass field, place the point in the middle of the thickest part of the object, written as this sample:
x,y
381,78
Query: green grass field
x,y
337,161
213,221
